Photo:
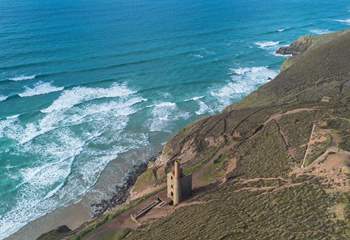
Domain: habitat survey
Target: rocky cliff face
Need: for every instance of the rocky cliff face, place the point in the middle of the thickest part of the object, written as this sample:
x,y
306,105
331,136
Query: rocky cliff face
x,y
282,155
304,43
297,47
274,166
317,82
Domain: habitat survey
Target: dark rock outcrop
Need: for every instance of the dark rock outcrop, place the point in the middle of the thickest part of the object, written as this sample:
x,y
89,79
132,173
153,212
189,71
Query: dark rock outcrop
x,y
303,44
56,234
121,191
297,47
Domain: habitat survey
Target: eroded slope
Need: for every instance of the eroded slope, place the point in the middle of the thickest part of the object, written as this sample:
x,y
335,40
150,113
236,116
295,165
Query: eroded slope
x,y
275,166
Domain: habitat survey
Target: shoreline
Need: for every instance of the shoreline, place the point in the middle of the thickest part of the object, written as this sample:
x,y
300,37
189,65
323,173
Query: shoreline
x,y
91,205
76,213
88,207
122,192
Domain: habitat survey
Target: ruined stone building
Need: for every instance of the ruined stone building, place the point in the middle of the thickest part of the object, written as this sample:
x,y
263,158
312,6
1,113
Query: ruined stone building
x,y
179,186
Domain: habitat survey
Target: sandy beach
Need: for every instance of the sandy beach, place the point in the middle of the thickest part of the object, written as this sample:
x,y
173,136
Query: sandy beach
x,y
103,192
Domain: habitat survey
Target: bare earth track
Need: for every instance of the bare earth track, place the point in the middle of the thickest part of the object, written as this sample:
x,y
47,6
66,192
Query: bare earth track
x,y
274,166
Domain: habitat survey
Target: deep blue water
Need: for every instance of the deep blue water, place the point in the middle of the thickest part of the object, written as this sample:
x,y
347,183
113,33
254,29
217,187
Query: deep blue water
x,y
83,81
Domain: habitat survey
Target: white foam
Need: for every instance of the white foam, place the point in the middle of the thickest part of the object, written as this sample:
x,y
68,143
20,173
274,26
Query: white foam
x,y
50,183
198,56
26,208
22,78
40,88
320,31
8,127
281,30
274,51
72,97
194,98
61,113
282,55
117,108
270,46
163,110
2,98
203,108
267,44
48,174
89,171
54,191
163,114
13,116
33,200
243,81
345,21
56,119
58,115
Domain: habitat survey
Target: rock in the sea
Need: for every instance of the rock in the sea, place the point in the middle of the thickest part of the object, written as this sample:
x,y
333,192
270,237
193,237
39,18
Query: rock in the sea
x,y
297,47
305,42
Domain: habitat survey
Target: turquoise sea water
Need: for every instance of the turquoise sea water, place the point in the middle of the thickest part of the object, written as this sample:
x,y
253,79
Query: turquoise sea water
x,y
84,81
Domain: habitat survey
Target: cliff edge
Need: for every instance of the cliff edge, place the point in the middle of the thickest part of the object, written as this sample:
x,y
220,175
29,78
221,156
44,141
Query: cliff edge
x,y
274,166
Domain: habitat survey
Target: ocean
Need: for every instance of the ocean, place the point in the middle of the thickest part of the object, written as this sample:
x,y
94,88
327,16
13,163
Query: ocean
x,y
84,81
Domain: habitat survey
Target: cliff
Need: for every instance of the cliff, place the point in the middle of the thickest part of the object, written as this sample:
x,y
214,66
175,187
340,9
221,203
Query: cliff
x,y
274,166
304,43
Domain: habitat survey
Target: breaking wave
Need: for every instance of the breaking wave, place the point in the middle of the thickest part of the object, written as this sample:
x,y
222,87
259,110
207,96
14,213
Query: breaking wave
x,y
73,140
22,78
203,107
270,46
2,98
320,31
243,81
194,98
163,114
345,21
40,88
267,44
72,97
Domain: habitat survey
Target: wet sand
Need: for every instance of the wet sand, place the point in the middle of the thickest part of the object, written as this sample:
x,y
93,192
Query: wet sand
x,y
72,216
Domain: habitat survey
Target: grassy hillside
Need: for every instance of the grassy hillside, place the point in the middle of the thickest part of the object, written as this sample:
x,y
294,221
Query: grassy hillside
x,y
275,166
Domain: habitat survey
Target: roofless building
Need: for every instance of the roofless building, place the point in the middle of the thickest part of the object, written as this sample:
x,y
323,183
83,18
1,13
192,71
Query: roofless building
x,y
179,186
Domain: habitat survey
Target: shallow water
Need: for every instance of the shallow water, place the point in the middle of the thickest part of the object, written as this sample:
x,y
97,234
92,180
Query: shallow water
x,y
82,82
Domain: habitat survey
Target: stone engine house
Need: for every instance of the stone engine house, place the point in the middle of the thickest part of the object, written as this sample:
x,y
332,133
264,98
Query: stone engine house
x,y
179,187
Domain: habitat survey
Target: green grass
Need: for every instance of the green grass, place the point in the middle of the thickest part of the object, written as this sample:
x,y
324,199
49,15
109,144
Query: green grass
x,y
146,179
193,168
293,213
114,234
296,212
215,170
